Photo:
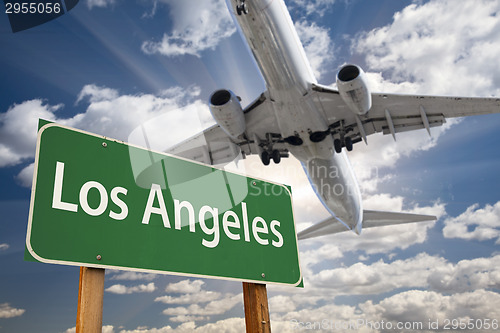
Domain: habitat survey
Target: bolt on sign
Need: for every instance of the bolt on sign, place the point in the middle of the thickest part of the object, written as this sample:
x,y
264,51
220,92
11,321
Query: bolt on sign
x,y
99,202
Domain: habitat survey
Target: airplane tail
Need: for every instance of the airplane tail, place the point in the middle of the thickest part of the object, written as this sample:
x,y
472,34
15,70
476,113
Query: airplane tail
x,y
371,219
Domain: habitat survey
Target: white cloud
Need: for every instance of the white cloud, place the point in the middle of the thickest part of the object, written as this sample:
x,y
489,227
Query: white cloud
x,y
4,246
18,130
108,113
229,325
99,3
185,286
217,307
422,306
96,94
377,83
130,275
383,201
389,238
152,11
466,275
375,240
184,318
475,223
423,272
413,306
363,279
317,44
410,307
25,177
446,290
193,294
116,116
454,291
316,318
317,7
194,31
382,152
309,258
201,296
105,329
6,311
442,47
121,289
281,303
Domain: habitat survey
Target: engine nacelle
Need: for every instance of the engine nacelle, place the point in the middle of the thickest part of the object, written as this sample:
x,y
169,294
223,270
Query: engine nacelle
x,y
353,89
227,112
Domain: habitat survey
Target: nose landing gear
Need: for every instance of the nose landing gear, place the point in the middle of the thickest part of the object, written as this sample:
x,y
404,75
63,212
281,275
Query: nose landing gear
x,y
266,157
242,8
267,150
338,144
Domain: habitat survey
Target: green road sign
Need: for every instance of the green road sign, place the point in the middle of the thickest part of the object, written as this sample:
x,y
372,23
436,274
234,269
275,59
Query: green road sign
x,y
99,202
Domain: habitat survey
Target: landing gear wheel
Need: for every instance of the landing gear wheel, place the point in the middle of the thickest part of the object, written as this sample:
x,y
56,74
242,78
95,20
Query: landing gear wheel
x,y
348,144
265,158
242,9
338,146
276,156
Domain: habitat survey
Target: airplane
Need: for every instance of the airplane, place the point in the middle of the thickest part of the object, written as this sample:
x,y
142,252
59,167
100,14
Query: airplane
x,y
313,122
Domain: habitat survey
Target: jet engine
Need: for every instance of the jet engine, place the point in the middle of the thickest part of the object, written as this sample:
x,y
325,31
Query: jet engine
x,y
353,89
227,112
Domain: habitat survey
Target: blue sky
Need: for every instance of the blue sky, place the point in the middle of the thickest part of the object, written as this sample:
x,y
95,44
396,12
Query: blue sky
x,y
110,66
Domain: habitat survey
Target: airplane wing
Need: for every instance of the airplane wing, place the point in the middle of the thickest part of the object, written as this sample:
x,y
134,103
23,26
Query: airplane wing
x,y
371,219
394,113
214,146
389,114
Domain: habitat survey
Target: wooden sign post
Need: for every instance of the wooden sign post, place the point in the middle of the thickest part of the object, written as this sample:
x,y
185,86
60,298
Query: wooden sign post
x,y
90,297
256,308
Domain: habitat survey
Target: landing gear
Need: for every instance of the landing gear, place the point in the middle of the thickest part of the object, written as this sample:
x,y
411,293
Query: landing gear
x,y
242,8
348,143
265,158
276,155
341,136
338,144
267,149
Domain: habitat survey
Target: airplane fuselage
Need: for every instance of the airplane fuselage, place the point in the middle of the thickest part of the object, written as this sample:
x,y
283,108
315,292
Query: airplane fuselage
x,y
271,35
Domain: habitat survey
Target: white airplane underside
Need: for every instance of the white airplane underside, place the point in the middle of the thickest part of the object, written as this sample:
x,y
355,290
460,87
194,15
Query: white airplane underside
x,y
315,123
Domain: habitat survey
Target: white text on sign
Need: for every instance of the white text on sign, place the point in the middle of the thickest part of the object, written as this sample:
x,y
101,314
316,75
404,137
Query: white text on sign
x,y
232,223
